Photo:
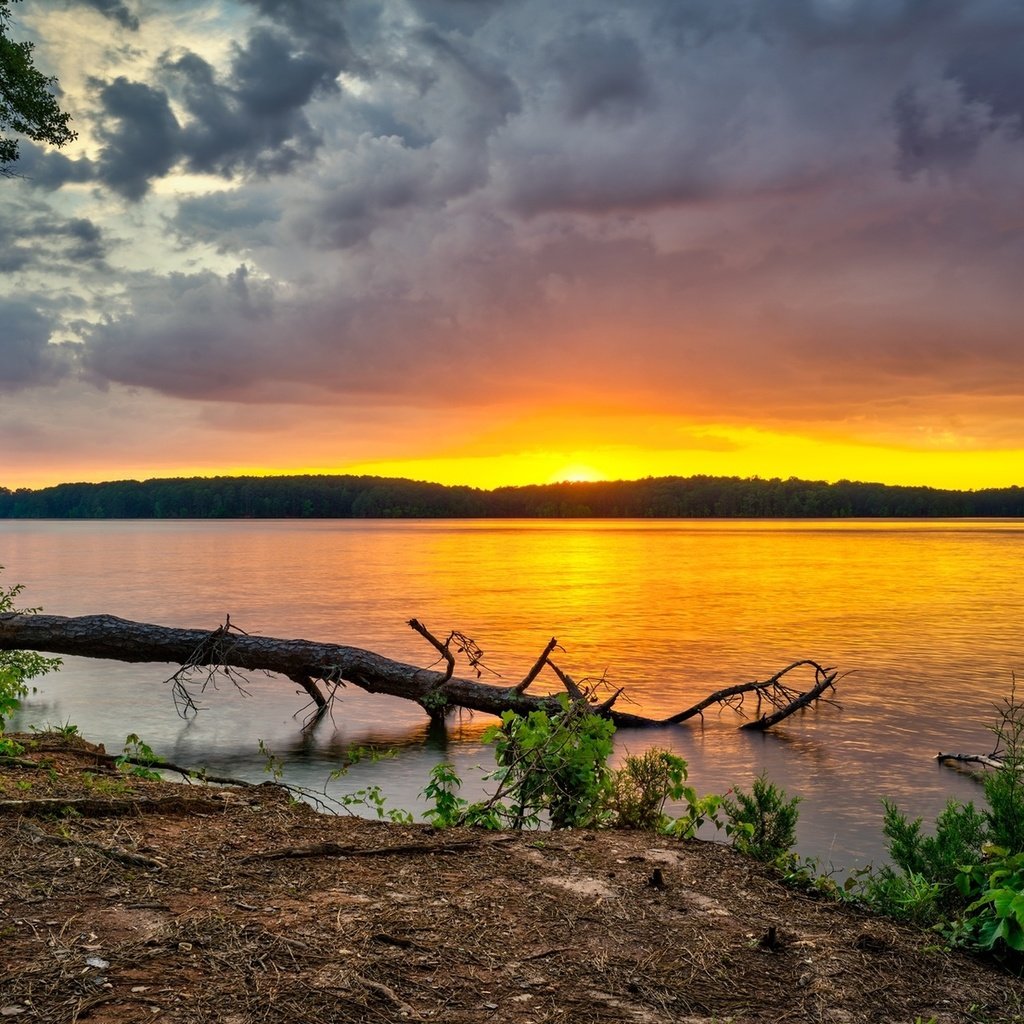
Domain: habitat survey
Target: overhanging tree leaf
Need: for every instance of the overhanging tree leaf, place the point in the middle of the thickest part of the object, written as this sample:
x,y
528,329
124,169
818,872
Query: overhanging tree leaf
x,y
28,105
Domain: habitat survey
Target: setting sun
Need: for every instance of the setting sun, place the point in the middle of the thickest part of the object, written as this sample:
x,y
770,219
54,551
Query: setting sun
x,y
576,474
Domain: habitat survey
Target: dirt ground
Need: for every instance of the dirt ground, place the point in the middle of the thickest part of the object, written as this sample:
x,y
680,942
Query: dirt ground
x,y
123,900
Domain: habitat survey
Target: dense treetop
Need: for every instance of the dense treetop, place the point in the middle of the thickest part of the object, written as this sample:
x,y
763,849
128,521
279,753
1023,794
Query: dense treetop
x,y
368,497
27,103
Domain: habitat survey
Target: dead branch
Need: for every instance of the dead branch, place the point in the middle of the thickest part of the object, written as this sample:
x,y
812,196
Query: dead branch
x,y
537,666
230,651
95,807
568,682
825,680
401,849
984,759
442,649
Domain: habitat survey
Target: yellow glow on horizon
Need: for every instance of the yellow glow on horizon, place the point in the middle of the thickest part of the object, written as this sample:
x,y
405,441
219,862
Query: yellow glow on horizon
x,y
656,446
715,450
576,474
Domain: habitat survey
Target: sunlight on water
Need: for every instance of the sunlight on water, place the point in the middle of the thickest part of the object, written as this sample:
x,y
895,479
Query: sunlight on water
x,y
924,615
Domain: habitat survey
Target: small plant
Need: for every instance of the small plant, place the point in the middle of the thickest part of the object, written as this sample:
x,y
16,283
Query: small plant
x,y
994,921
138,759
9,747
67,730
272,765
104,786
762,823
1004,788
906,896
372,798
17,667
641,787
447,809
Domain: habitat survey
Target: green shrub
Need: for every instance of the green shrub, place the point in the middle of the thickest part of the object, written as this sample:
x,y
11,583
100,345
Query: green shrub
x,y
641,787
906,896
762,823
18,667
1004,788
554,763
994,920
960,833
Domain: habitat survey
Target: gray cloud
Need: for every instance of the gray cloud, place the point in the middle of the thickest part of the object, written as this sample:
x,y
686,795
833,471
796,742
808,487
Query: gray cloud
x,y
709,205
50,170
116,10
33,236
253,119
141,136
601,75
26,357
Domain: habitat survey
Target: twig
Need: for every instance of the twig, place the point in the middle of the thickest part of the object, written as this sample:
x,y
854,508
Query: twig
x,y
402,849
116,853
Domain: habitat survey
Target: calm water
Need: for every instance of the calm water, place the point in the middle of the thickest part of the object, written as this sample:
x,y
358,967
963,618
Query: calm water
x,y
926,616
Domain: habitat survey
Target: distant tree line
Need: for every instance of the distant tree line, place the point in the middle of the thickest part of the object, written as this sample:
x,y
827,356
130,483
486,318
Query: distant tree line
x,y
370,497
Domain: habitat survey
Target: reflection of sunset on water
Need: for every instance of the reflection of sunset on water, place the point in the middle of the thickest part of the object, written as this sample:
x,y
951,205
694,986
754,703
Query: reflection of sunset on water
x,y
924,615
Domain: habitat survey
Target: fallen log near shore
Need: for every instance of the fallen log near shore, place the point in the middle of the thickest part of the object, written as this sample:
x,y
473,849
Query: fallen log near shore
x,y
986,760
320,669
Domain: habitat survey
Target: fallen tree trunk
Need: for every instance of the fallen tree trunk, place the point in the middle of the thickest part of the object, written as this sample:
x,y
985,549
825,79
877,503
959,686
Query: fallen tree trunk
x,y
320,668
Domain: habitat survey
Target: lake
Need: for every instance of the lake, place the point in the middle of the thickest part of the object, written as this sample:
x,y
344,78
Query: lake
x,y
924,615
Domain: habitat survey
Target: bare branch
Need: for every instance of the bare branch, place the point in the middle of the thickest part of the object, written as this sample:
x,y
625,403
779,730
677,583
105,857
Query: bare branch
x,y
537,666
441,648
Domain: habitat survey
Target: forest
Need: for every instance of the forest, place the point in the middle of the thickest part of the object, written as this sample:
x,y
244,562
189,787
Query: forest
x,y
371,497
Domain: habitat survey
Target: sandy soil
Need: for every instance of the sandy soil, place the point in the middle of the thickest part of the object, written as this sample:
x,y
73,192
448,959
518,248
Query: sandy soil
x,y
123,900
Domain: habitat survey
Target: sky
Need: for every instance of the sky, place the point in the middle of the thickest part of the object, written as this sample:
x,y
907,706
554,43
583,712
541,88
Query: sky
x,y
511,241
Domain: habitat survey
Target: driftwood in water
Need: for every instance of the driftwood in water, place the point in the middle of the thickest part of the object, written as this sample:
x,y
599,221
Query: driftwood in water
x,y
320,668
988,760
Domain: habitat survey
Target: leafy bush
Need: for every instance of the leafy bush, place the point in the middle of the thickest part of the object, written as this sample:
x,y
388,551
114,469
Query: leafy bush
x,y
1004,788
994,920
17,667
906,896
960,833
968,878
554,763
762,823
643,784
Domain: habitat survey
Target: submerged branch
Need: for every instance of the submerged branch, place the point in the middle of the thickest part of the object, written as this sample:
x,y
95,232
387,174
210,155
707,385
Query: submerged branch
x,y
311,664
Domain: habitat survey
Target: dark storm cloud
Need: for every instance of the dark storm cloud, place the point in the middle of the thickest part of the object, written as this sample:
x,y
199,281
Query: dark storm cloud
x,y
992,73
704,200
930,137
50,170
116,11
229,220
252,119
220,336
318,26
26,357
37,237
141,136
600,74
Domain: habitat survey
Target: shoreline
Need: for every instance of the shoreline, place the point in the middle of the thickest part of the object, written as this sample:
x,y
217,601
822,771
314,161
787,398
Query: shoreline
x,y
127,899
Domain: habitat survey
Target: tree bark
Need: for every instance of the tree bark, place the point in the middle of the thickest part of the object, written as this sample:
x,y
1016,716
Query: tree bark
x,y
314,664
